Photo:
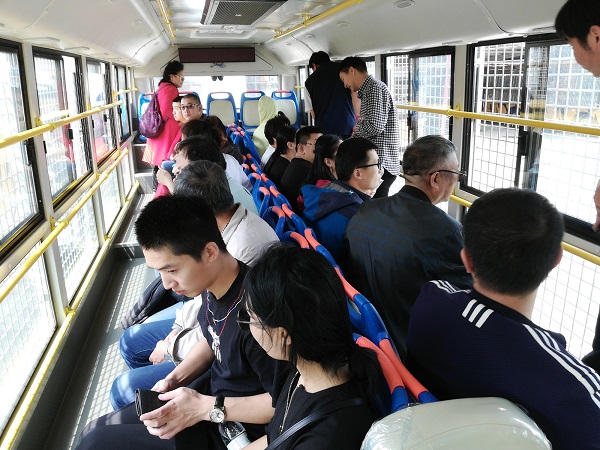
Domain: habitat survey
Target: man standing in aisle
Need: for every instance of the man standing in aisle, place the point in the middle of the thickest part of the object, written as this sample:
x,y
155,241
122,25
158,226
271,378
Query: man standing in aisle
x,y
578,21
331,102
378,119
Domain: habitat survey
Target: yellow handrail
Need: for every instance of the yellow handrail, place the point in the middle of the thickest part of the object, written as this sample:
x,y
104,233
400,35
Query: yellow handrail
x,y
60,226
318,17
53,125
505,119
568,247
123,91
37,380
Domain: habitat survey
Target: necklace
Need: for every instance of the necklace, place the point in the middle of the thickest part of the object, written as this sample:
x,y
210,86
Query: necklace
x,y
216,338
291,393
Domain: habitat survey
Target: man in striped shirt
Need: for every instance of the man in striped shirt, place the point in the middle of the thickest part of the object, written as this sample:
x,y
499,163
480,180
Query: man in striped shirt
x,y
482,342
378,119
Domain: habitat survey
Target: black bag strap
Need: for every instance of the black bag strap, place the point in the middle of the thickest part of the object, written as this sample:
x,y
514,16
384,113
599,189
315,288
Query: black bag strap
x,y
313,418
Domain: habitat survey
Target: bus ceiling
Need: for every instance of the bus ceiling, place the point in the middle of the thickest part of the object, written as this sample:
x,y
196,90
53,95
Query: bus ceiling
x,y
147,34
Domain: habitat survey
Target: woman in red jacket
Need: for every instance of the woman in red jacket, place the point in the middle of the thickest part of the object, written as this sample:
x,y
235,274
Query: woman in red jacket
x,y
160,148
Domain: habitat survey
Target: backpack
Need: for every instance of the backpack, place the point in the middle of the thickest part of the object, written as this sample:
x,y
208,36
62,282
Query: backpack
x,y
151,122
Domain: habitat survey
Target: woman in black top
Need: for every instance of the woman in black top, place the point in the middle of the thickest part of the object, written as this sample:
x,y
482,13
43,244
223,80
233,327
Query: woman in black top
x,y
285,150
296,309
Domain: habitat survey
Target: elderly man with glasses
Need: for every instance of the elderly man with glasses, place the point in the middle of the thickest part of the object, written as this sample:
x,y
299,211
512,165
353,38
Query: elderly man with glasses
x,y
400,242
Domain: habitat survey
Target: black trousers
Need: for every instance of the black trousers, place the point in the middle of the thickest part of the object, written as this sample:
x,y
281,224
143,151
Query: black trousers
x,y
122,429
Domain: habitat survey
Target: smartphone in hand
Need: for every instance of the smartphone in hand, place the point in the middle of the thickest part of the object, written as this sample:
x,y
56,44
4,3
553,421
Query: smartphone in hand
x,y
146,401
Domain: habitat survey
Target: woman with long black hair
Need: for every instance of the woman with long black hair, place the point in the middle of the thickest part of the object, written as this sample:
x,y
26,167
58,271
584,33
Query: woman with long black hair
x,y
296,309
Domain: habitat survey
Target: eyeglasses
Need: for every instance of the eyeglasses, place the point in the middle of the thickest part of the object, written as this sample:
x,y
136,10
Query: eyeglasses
x,y
310,143
462,176
180,77
243,320
378,164
192,106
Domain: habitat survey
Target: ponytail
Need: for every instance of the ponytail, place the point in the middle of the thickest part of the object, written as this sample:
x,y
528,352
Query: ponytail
x,y
365,370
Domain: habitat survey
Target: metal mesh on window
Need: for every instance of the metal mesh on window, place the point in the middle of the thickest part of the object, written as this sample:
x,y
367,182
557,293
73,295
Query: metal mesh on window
x,y
124,108
111,203
65,148
498,76
126,175
568,164
568,302
398,80
26,325
432,87
103,132
17,190
78,246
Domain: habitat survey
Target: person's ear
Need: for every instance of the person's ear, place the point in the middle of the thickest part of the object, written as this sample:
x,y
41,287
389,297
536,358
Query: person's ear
x,y
595,41
559,256
211,252
466,259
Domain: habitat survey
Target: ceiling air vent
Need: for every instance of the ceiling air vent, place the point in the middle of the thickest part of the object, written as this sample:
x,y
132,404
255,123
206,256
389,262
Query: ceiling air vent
x,y
243,12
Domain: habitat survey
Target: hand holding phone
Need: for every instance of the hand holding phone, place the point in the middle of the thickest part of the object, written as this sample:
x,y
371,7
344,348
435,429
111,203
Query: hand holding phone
x,y
146,401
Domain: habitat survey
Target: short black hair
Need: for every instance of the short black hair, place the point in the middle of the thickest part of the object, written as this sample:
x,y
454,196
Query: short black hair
x,y
207,180
194,96
172,68
273,126
513,239
182,224
318,58
352,153
353,61
177,99
426,154
575,19
303,134
201,127
200,147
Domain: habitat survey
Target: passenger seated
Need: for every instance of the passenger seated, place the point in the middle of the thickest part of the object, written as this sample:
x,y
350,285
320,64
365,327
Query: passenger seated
x,y
272,128
228,370
196,148
482,342
191,107
206,129
285,150
400,242
267,109
329,208
153,349
226,146
295,307
323,166
299,167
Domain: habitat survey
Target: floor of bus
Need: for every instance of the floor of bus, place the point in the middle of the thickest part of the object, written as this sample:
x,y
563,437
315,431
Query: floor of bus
x,y
101,361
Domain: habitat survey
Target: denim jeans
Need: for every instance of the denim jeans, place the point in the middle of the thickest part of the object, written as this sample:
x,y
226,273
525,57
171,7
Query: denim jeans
x,y
123,389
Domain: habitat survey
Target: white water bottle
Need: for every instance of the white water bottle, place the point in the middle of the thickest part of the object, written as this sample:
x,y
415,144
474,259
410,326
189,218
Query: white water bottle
x,y
234,435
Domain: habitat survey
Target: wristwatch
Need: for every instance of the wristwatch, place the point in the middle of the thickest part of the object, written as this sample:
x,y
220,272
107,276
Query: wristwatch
x,y
217,414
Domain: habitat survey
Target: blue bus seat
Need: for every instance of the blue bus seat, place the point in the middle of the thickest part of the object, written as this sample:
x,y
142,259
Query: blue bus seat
x,y
249,110
142,106
296,238
275,217
288,104
222,105
396,398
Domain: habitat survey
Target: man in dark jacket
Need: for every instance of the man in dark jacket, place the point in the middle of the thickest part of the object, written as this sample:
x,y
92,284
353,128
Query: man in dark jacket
x,y
400,242
331,102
